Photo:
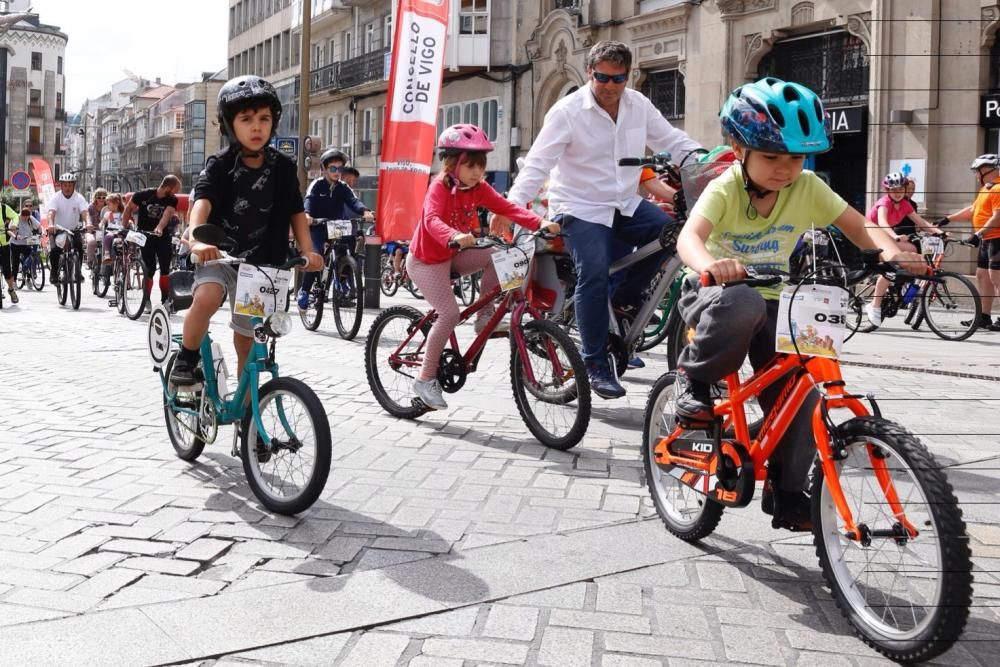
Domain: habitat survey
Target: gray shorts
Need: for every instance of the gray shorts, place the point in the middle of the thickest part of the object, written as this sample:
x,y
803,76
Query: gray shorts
x,y
225,275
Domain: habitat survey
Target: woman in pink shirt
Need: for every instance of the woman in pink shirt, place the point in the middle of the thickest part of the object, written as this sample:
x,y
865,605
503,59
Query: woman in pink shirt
x,y
894,213
450,215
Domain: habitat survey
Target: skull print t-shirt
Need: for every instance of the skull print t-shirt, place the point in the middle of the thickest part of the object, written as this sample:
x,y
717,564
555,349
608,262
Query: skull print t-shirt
x,y
151,208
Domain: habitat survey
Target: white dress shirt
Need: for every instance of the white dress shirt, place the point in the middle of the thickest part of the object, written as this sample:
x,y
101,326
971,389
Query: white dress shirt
x,y
578,150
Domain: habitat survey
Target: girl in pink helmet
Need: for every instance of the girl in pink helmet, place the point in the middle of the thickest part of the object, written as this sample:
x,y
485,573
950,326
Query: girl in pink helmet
x,y
450,215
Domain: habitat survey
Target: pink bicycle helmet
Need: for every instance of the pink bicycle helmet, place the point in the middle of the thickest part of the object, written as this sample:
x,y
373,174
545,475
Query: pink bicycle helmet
x,y
462,138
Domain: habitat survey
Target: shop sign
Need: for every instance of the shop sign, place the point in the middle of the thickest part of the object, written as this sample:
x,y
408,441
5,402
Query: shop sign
x,y
847,120
989,111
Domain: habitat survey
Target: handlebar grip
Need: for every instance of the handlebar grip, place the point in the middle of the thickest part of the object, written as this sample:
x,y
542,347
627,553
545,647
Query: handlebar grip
x,y
454,244
631,162
706,279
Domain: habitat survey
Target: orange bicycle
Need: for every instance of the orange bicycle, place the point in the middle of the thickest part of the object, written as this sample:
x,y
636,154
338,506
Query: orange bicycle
x,y
886,524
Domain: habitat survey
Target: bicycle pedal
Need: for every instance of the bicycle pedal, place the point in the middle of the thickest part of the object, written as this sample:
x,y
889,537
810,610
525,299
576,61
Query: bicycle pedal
x,y
695,424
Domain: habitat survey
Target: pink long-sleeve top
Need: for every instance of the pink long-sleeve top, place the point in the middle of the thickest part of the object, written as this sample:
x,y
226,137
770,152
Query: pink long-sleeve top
x,y
446,214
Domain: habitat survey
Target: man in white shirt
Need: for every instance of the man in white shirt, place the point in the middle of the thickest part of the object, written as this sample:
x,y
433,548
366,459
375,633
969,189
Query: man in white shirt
x,y
68,209
596,201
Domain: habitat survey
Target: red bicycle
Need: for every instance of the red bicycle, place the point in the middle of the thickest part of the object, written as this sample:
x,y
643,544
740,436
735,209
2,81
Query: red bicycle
x,y
547,373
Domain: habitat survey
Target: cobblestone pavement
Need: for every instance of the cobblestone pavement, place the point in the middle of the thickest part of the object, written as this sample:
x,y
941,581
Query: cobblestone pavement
x,y
99,520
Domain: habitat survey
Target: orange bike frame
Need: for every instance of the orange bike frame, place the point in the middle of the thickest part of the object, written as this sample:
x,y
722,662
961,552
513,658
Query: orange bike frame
x,y
811,373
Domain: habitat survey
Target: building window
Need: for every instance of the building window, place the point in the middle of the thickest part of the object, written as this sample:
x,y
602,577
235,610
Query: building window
x,y
366,133
453,115
36,61
347,45
470,113
59,102
491,113
474,16
331,130
179,120
440,124
59,65
345,134
666,91
387,32
834,65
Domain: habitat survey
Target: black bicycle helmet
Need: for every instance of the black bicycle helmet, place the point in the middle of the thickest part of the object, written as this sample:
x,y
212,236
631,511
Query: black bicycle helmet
x,y
246,92
331,154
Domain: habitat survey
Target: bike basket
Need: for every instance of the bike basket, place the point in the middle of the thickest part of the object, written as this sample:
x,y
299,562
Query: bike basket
x,y
336,229
137,238
512,264
261,291
696,176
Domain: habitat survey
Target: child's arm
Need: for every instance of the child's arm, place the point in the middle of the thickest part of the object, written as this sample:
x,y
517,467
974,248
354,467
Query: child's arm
x,y
199,216
691,248
494,203
865,237
920,222
882,216
300,228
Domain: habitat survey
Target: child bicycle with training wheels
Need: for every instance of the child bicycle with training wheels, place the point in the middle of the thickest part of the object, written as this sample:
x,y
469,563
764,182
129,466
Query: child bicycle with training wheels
x,y
751,217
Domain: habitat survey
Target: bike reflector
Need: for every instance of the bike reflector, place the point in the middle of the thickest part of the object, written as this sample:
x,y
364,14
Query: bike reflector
x,y
815,324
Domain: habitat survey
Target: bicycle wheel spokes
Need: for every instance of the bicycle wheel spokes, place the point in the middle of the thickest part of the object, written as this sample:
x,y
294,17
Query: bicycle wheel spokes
x,y
134,289
550,385
952,307
906,584
392,367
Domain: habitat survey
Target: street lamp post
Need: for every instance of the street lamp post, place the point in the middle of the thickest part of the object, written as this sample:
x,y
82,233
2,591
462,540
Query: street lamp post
x,y
83,131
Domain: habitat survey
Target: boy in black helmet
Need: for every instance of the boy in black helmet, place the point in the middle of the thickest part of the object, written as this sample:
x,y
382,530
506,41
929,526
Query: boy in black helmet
x,y
328,198
252,192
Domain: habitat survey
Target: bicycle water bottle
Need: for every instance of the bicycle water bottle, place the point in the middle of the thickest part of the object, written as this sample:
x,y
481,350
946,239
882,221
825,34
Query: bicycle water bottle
x,y
221,371
911,292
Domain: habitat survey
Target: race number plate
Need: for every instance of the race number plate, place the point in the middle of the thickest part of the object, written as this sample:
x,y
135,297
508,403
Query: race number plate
x,y
931,245
818,316
137,238
261,291
512,265
336,229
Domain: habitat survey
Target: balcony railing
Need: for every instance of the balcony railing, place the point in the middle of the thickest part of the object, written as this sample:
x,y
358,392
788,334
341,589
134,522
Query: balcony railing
x,y
349,73
36,111
35,147
570,5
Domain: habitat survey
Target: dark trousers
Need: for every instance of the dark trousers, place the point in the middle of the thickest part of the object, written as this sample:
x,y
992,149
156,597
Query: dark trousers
x,y
318,234
594,247
728,324
55,252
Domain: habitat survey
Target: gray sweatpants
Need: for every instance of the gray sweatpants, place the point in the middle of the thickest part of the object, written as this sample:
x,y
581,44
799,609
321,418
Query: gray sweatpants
x,y
728,324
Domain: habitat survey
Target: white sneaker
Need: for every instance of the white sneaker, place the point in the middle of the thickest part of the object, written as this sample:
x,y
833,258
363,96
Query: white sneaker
x,y
502,328
429,391
874,314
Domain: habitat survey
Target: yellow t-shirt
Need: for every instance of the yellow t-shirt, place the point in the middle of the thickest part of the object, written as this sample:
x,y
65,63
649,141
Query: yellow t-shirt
x,y
764,242
987,201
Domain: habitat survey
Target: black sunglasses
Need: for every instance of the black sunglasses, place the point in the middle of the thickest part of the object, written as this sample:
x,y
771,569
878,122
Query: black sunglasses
x,y
601,77
334,167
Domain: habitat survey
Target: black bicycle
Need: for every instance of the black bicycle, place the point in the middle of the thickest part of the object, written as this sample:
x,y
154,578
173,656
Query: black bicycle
x,y
340,282
69,270
32,268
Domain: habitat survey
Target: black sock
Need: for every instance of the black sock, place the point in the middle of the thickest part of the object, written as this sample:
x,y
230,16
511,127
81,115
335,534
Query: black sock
x,y
189,355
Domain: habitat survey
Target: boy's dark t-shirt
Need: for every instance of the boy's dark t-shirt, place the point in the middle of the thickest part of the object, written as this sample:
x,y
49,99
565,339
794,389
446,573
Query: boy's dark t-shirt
x,y
253,206
151,208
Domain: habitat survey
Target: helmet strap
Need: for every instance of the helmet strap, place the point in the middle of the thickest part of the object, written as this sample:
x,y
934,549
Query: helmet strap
x,y
751,188
456,184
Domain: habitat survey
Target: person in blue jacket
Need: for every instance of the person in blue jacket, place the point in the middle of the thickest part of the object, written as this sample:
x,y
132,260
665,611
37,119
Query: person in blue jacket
x,y
328,198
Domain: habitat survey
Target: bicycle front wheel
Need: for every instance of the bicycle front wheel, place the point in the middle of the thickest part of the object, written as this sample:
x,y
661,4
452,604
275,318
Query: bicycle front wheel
x,y
387,282
392,367
348,298
289,474
951,308
37,275
134,288
312,314
75,281
550,384
62,287
686,513
906,584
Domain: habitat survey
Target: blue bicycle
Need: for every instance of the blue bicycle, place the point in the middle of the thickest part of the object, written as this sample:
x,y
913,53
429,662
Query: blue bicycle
x,y
32,268
283,428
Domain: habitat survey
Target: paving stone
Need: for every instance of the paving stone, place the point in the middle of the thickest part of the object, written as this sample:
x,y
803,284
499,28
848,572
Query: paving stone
x,y
507,622
616,660
660,646
572,596
425,661
103,584
483,650
720,577
376,648
139,547
621,598
135,596
376,559
342,549
459,622
181,584
57,600
14,614
161,565
562,647
204,549
759,646
599,621
318,652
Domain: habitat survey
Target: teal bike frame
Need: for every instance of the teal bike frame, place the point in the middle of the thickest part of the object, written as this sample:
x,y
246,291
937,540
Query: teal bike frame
x,y
230,411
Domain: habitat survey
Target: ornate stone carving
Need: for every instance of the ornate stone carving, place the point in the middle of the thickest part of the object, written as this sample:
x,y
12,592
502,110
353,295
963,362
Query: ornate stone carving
x,y
731,8
859,26
990,19
752,45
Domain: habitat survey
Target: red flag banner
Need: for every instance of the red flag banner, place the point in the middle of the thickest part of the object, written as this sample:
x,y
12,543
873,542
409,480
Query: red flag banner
x,y
410,130
43,184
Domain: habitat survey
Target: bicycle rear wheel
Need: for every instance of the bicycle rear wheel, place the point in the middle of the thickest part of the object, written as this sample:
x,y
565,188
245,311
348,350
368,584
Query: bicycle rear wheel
x,y
183,428
554,400
391,370
118,276
22,276
312,314
134,288
75,281
906,586
387,282
289,474
347,295
686,513
37,275
858,298
952,308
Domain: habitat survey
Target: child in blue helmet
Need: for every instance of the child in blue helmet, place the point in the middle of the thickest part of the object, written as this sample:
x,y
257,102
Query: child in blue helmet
x,y
751,216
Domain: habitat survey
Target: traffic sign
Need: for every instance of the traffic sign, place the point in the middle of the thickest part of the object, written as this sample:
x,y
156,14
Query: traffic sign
x,y
20,180
22,193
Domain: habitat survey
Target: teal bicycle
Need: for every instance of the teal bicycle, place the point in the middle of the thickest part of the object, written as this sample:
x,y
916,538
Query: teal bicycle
x,y
282,426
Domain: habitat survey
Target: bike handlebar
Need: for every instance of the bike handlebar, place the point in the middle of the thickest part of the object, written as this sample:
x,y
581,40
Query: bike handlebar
x,y
226,258
772,277
497,242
